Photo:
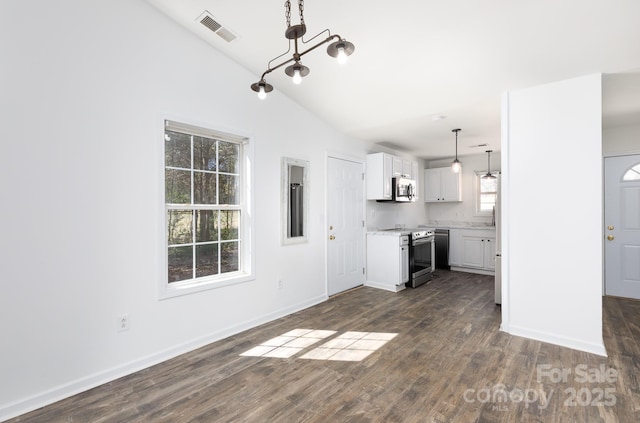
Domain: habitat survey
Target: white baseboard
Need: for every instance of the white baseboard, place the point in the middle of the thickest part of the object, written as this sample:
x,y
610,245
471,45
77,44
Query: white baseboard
x,y
25,405
386,287
575,344
470,270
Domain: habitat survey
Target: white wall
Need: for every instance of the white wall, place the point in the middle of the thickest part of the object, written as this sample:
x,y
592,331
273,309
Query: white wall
x,y
621,140
463,212
390,215
85,87
552,220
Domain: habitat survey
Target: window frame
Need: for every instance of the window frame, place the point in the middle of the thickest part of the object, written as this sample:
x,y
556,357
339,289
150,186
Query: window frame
x,y
246,254
477,194
632,174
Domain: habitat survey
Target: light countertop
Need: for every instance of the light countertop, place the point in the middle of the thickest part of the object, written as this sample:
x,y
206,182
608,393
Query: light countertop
x,y
459,225
389,232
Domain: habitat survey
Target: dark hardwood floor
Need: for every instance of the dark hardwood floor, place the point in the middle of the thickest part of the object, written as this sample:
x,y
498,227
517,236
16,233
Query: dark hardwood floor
x,y
448,363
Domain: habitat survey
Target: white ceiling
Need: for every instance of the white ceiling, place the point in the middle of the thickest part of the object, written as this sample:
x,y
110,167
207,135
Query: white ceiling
x,y
418,59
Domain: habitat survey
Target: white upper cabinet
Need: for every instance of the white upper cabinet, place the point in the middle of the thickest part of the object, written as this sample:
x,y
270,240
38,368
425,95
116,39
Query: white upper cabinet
x,y
381,167
432,185
414,176
397,166
404,168
379,174
407,169
441,184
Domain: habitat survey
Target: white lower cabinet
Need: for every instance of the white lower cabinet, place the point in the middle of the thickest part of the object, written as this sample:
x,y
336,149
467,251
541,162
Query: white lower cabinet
x,y
472,252
473,249
490,254
404,260
387,261
478,252
454,248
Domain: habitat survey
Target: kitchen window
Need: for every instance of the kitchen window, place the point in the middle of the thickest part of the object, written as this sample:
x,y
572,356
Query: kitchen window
x,y
486,194
206,186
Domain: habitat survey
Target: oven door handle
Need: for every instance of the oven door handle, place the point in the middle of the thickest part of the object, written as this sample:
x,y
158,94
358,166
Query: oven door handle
x,y
423,240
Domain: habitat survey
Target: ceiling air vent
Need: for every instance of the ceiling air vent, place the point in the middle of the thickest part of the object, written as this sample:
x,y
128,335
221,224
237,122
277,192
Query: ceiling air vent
x,y
210,22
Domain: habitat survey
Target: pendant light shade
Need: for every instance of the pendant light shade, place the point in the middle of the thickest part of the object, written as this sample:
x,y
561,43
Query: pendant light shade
x,y
297,71
262,88
456,166
488,175
341,50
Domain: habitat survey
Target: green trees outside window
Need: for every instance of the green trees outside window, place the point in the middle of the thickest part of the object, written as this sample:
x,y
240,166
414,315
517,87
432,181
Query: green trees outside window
x,y
203,205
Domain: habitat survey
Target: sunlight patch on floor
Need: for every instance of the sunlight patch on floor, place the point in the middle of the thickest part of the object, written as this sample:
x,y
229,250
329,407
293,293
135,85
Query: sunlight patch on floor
x,y
349,346
288,344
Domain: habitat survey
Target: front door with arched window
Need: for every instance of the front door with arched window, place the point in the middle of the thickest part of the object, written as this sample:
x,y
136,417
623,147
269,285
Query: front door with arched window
x,y
622,226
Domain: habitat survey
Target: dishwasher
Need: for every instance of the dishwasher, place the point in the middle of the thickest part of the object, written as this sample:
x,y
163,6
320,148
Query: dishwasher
x,y
442,249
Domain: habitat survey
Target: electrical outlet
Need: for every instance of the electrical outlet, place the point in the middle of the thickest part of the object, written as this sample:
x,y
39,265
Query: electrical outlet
x,y
123,322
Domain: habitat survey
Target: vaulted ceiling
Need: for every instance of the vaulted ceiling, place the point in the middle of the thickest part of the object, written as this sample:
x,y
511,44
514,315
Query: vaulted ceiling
x,y
422,68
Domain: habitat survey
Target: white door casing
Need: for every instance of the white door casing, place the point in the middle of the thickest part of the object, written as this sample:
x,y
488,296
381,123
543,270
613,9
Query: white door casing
x,y
345,220
622,228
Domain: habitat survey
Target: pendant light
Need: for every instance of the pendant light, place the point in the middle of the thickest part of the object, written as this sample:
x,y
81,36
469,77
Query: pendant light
x,y
488,175
456,165
339,48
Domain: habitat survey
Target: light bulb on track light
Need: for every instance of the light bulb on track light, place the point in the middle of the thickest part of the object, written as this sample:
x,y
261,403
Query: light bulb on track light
x,y
297,78
342,56
262,94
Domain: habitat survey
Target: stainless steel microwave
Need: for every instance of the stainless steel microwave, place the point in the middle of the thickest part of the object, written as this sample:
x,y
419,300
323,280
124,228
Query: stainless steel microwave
x,y
403,189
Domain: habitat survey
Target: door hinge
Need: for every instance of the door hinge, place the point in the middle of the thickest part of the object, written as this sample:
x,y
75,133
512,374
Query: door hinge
x,y
363,176
363,270
363,223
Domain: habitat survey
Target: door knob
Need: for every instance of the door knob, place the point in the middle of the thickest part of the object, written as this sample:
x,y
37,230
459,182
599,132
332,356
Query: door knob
x,y
610,237
610,227
330,227
331,237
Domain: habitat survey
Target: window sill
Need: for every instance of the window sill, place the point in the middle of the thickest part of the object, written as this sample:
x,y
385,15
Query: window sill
x,y
487,215
177,289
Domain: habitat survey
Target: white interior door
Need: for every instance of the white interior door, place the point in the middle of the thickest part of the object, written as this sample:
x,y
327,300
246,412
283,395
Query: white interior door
x,y
345,219
622,226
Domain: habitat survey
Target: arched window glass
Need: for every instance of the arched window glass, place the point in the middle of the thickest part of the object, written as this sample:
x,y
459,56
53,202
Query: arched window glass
x,y
632,174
